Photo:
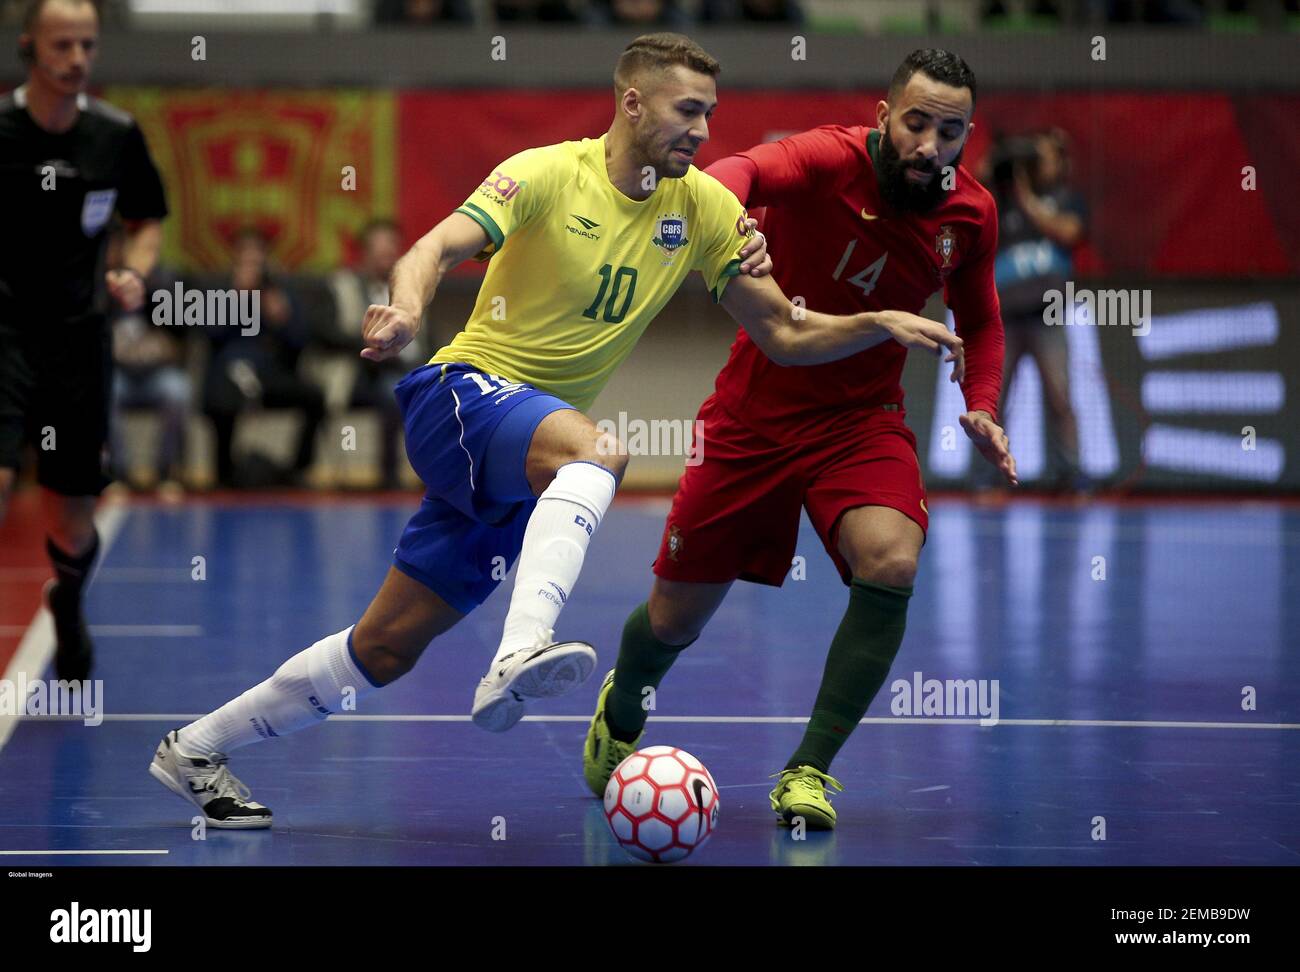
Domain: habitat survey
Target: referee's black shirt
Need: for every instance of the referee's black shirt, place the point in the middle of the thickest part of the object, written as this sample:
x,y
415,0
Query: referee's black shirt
x,y
51,238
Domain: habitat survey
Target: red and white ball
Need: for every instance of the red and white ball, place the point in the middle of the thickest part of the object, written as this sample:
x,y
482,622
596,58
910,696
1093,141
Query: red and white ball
x,y
661,804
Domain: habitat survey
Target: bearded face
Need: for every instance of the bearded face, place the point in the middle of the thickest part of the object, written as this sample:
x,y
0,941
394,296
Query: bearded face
x,y
911,185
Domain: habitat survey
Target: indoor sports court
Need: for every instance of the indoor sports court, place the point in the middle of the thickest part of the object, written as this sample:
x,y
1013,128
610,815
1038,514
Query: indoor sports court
x,y
1100,665
1117,698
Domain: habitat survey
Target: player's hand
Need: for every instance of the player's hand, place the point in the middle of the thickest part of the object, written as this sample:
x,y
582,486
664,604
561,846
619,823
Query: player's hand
x,y
753,255
127,288
992,442
386,331
912,331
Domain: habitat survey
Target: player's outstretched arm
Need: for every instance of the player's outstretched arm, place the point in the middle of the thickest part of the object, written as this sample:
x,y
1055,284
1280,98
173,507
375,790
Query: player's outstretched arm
x,y
415,278
791,335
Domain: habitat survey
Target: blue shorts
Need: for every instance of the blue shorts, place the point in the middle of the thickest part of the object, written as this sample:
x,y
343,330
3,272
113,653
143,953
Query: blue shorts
x,y
467,437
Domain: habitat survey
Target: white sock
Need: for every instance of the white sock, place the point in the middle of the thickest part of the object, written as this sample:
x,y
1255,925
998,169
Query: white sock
x,y
555,543
312,684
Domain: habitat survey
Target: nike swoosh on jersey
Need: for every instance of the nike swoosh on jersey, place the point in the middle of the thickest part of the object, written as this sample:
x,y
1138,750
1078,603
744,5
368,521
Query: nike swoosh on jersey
x,y
867,215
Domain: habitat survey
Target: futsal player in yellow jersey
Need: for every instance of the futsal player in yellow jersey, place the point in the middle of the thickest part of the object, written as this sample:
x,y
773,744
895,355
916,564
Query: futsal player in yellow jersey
x,y
587,241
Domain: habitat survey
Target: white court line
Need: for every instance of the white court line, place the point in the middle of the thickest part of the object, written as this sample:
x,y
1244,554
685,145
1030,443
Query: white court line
x,y
738,720
37,645
30,853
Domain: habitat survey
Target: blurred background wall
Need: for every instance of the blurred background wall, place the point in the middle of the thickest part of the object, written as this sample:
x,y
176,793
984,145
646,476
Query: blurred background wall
x,y
306,119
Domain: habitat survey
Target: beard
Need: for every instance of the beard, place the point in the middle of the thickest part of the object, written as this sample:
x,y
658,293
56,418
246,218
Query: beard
x,y
901,193
660,158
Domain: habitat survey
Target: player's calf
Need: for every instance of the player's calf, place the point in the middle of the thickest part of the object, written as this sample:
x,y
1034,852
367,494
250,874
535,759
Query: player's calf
x,y
400,622
568,465
679,610
386,652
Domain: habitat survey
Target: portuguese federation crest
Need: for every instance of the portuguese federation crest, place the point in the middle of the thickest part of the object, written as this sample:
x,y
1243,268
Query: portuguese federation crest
x,y
675,542
670,233
945,244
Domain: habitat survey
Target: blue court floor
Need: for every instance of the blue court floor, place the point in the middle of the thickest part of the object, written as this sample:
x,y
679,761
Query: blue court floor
x,y
1120,699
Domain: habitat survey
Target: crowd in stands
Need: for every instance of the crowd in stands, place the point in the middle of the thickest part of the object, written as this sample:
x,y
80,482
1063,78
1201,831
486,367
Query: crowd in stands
x,y
303,357
667,14
684,14
680,14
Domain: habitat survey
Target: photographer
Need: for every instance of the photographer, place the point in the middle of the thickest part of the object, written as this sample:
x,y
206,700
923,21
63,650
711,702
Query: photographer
x,y
1041,221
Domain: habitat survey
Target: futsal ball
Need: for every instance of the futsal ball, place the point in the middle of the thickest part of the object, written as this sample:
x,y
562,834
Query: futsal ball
x,y
661,804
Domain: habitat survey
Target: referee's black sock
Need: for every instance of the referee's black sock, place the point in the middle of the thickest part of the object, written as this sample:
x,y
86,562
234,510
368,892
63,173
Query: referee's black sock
x,y
71,573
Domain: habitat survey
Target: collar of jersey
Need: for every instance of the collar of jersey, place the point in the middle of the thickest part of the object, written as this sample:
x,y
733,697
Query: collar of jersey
x,y
613,189
873,144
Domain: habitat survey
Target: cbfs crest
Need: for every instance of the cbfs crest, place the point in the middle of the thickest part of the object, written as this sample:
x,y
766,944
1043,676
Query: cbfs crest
x,y
670,233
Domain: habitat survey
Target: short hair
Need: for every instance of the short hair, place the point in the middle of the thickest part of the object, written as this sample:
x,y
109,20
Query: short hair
x,y
936,64
655,52
32,12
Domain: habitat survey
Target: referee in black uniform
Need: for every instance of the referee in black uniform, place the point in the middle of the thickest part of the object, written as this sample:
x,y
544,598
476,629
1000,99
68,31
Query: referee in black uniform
x,y
67,161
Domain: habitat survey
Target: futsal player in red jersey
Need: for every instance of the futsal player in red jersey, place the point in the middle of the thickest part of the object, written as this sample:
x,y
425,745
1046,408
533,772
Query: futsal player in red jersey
x,y
857,219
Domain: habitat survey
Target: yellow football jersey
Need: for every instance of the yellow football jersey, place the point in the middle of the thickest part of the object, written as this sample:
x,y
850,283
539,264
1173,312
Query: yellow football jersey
x,y
578,269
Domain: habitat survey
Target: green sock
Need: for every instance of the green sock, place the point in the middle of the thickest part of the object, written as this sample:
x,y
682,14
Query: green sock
x,y
856,666
643,660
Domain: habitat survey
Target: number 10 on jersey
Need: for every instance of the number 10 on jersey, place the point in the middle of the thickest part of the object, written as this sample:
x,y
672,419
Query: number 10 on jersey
x,y
623,276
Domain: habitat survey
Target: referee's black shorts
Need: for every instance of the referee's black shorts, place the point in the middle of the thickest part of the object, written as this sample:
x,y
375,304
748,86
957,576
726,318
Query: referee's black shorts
x,y
55,380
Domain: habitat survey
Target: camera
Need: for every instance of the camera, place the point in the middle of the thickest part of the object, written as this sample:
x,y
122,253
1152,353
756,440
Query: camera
x,y
1009,151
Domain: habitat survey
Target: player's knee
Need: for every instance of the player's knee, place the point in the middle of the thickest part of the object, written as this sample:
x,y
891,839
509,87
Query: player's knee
x,y
671,627
385,655
886,567
604,449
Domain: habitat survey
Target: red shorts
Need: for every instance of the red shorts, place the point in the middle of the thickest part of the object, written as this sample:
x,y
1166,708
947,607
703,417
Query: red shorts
x,y
736,514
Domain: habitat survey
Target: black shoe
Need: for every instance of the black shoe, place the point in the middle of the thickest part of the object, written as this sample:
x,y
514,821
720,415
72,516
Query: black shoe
x,y
74,655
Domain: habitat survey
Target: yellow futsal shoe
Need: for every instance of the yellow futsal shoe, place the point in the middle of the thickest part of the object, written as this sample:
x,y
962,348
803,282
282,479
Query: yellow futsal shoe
x,y
602,752
801,792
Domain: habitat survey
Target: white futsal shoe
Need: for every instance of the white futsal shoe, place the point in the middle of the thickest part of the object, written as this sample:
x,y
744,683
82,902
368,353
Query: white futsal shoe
x,y
209,785
545,670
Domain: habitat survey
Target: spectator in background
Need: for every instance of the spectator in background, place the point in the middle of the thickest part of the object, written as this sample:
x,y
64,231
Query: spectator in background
x,y
1041,220
994,9
354,291
149,373
1154,11
422,13
751,11
641,13
537,11
251,371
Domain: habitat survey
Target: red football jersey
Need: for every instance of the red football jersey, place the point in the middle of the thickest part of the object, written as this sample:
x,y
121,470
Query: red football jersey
x,y
835,243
